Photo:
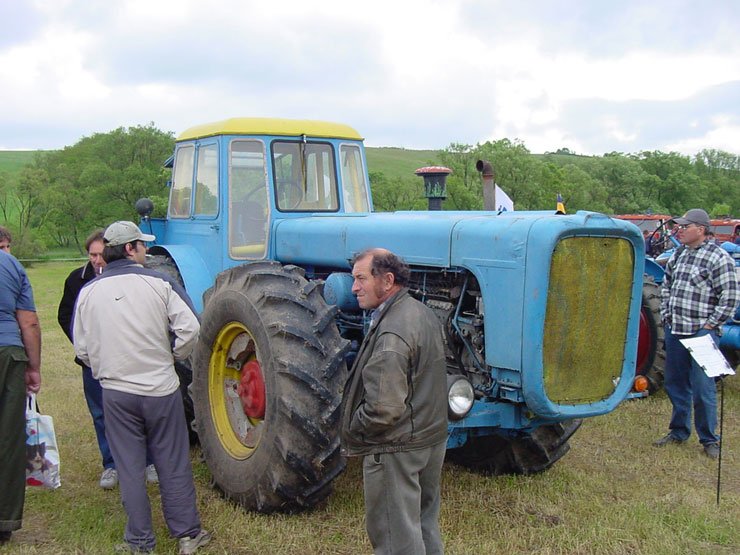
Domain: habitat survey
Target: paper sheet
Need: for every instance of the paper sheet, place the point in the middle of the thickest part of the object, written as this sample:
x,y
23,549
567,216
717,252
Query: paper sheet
x,y
708,356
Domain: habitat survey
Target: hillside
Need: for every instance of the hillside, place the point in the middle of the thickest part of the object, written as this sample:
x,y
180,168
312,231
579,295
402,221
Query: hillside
x,y
399,162
393,162
12,161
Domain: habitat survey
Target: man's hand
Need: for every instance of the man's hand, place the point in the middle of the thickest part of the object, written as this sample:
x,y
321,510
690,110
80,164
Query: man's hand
x,y
33,380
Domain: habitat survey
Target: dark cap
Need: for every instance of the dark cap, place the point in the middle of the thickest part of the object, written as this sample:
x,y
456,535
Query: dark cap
x,y
695,216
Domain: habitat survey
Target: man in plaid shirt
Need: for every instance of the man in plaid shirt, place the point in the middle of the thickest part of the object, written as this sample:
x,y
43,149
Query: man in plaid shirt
x,y
699,292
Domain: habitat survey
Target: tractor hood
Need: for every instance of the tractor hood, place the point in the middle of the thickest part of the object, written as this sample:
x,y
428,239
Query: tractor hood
x,y
439,239
548,284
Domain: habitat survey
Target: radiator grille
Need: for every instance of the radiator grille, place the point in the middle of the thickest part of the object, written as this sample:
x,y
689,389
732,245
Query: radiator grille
x,y
586,320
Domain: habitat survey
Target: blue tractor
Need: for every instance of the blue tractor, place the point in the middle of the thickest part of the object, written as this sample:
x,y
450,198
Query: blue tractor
x,y
541,310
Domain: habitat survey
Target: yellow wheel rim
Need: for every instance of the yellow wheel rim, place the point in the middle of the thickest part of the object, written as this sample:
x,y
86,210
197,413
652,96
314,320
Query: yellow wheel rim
x,y
239,434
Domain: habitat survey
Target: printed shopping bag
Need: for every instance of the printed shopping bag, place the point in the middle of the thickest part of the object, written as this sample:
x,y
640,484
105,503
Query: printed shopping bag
x,y
42,453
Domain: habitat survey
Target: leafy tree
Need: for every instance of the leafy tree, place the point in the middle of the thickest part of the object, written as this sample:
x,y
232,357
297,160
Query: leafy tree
x,y
396,193
99,179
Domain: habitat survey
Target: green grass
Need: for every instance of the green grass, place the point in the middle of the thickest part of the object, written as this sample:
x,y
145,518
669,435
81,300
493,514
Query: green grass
x,y
399,162
12,161
393,162
613,493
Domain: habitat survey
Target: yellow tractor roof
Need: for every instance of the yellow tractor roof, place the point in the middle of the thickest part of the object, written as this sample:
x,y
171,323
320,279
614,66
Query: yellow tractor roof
x,y
271,126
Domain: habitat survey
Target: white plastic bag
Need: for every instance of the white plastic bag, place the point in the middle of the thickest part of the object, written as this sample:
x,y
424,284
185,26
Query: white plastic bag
x,y
42,453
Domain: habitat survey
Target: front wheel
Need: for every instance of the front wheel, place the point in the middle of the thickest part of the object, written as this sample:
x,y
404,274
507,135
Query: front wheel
x,y
268,374
530,454
651,340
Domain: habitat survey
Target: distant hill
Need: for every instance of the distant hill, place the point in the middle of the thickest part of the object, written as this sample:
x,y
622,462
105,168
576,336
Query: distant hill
x,y
399,162
392,162
12,161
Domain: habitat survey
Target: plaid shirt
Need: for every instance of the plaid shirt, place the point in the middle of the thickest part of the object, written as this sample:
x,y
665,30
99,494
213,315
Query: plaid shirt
x,y
700,287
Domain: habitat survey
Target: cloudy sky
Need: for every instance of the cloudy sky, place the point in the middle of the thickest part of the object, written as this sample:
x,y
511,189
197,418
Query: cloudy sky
x,y
594,76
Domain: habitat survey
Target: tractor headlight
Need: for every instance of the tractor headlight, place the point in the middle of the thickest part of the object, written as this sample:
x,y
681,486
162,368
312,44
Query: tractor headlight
x,y
460,397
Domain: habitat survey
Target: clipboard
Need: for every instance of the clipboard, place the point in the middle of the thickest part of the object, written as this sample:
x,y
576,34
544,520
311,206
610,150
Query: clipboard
x,y
707,355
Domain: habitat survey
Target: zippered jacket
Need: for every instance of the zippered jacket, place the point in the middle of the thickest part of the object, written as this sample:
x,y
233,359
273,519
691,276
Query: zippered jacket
x,y
130,325
72,285
395,397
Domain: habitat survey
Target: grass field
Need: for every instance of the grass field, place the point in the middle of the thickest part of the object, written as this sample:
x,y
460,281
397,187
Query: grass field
x,y
612,494
399,162
12,161
393,162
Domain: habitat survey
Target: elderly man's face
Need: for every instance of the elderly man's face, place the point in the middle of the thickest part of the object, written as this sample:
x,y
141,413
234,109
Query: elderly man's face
x,y
371,291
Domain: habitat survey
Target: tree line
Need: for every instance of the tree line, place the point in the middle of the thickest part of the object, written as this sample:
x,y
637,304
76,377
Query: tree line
x,y
615,183
56,200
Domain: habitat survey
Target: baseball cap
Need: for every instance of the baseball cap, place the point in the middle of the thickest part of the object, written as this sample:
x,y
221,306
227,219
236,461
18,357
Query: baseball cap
x,y
120,233
695,216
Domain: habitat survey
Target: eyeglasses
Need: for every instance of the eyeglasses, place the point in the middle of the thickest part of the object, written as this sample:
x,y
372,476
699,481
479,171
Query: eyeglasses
x,y
685,226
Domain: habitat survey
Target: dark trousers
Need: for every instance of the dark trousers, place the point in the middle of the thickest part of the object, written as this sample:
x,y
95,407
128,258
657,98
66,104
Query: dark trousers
x,y
12,436
402,496
135,424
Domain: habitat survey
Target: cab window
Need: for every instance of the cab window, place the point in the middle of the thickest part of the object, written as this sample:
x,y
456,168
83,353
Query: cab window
x,y
248,200
354,188
182,182
206,182
305,179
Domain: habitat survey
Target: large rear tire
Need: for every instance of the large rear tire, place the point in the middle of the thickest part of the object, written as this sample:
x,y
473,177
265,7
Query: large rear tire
x,y
268,374
651,342
496,454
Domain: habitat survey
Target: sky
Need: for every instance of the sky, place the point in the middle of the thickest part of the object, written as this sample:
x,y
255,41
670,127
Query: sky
x,y
592,76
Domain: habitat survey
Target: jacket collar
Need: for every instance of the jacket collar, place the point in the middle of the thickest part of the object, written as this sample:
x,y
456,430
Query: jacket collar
x,y
386,305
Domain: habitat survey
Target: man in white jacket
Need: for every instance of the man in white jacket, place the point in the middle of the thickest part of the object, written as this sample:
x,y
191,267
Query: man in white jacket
x,y
130,325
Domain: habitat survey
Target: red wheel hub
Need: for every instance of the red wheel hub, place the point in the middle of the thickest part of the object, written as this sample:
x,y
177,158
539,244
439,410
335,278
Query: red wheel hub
x,y
251,390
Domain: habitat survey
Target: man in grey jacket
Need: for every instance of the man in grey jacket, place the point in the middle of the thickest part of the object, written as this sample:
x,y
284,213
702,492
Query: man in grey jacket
x,y
394,409
130,325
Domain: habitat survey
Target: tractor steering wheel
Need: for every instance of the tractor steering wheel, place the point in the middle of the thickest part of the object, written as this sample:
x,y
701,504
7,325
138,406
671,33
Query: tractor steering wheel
x,y
289,194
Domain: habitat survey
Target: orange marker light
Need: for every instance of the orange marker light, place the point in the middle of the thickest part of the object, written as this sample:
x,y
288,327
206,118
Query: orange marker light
x,y
641,384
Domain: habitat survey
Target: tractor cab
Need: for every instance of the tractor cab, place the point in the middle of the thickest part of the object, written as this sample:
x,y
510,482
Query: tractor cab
x,y
234,180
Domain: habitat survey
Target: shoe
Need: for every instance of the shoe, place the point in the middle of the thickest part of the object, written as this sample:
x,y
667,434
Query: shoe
x,y
151,475
711,450
5,537
109,478
190,545
669,438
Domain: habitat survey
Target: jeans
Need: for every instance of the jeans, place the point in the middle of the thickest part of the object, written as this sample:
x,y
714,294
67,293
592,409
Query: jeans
x,y
94,398
687,384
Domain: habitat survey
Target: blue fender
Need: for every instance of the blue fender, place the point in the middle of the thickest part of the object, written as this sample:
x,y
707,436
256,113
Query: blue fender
x,y
192,268
654,270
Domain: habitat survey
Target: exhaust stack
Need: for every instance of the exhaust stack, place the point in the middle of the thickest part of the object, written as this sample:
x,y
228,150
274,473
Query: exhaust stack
x,y
489,184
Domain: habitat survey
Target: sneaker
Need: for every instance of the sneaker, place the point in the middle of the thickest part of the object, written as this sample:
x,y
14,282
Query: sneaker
x,y
109,478
190,545
711,450
151,475
669,438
